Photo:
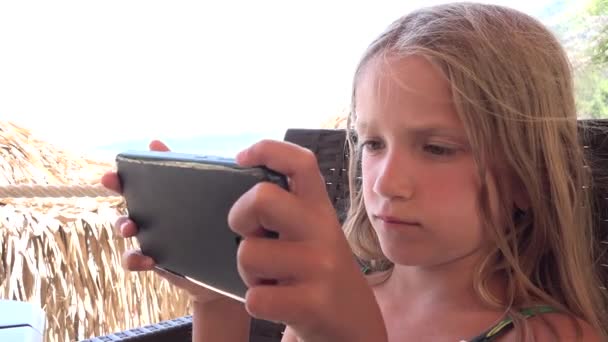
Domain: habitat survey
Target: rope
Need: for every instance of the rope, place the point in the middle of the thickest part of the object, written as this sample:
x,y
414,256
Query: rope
x,y
56,191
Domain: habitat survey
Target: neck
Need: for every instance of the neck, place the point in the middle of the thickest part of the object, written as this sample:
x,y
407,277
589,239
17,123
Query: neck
x,y
446,286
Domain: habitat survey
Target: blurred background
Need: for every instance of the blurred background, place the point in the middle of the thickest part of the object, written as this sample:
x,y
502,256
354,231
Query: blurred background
x,y
81,81
214,76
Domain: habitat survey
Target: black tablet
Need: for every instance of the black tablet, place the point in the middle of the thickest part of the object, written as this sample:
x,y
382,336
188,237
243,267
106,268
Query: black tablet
x,y
180,203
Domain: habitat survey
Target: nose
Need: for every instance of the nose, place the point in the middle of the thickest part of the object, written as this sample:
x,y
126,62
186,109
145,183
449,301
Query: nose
x,y
395,177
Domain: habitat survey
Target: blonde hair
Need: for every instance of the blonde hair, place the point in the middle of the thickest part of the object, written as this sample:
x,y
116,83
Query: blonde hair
x,y
512,88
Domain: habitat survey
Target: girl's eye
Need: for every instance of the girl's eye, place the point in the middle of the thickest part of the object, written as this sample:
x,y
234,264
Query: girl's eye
x,y
371,145
440,151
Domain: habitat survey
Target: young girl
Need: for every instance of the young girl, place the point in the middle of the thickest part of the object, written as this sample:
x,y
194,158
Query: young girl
x,y
469,210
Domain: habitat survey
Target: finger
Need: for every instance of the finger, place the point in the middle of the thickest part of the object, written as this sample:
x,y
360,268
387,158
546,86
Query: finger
x,y
119,223
295,162
157,145
125,227
284,304
267,205
260,259
133,260
173,278
111,181
184,283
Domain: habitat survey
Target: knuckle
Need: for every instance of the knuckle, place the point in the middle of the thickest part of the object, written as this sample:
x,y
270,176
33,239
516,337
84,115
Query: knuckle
x,y
305,309
318,297
262,196
233,216
256,303
243,253
232,220
308,159
325,263
247,255
260,146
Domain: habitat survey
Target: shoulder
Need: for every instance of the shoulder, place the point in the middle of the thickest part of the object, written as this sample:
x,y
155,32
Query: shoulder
x,y
557,327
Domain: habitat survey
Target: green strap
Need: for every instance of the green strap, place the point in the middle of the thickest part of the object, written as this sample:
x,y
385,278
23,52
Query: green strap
x,y
366,270
507,323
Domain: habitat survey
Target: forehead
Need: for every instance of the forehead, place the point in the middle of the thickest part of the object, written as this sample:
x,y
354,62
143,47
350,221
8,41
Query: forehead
x,y
409,90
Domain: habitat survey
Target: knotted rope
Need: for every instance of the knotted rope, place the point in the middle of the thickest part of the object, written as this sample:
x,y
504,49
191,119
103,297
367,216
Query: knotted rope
x,y
55,191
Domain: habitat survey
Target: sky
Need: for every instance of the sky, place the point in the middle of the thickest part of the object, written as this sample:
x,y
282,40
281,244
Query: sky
x,y
82,74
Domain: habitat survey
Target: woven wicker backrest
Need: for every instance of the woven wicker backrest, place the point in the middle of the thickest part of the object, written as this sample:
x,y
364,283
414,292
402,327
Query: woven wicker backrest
x,y
329,146
594,134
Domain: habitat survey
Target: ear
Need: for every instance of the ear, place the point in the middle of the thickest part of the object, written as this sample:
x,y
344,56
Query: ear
x,y
521,199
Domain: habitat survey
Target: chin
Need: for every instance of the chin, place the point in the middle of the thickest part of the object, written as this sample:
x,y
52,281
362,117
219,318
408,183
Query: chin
x,y
407,257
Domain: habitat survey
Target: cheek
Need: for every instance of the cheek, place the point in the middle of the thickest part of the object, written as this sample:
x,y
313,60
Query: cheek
x,y
453,187
368,177
456,204
458,198
450,201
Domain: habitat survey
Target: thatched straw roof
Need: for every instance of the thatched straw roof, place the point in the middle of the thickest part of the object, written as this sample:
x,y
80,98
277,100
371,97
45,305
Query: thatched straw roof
x,y
24,159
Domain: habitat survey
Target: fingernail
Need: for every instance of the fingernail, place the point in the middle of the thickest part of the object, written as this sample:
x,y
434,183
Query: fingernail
x,y
241,155
123,227
149,262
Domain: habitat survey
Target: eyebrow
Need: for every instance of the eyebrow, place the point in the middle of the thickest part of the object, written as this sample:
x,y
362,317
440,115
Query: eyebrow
x,y
422,131
360,126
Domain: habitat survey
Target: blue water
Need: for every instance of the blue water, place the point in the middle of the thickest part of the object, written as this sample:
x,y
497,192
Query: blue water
x,y
217,145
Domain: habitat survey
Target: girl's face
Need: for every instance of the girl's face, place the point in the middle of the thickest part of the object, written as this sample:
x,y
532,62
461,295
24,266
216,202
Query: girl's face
x,y
420,181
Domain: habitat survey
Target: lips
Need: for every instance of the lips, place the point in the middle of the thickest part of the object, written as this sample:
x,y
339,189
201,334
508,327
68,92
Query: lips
x,y
396,220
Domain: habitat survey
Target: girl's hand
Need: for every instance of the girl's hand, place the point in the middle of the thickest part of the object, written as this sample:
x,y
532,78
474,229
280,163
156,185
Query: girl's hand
x,y
308,278
134,260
